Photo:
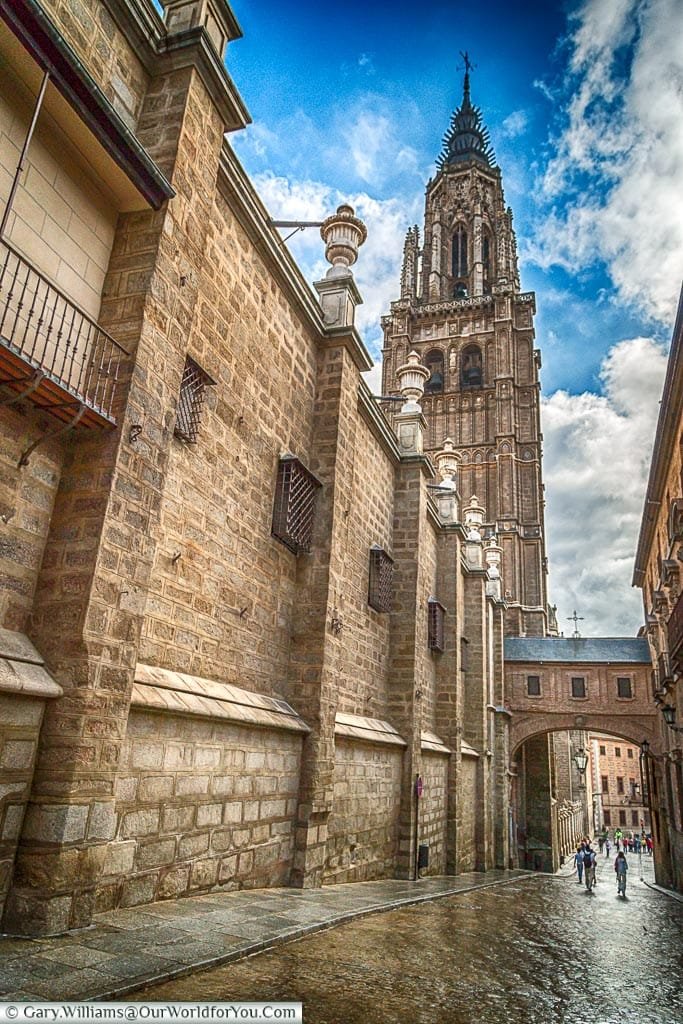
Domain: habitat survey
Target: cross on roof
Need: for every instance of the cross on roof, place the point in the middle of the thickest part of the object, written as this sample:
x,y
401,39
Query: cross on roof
x,y
575,619
469,66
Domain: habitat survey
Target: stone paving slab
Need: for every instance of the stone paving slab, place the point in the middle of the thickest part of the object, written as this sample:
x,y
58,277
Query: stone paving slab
x,y
126,949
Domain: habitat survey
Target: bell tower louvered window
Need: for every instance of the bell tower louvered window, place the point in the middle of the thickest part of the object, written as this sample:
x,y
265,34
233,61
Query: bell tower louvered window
x,y
192,391
295,495
436,623
460,251
380,580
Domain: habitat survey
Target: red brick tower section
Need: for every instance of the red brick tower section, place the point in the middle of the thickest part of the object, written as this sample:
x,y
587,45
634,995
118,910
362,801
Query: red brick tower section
x,y
91,592
462,311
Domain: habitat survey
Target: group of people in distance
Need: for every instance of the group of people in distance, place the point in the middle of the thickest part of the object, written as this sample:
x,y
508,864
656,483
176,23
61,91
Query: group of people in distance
x,y
585,857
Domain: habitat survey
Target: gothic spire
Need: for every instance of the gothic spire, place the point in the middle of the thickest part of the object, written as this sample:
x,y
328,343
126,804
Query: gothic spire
x,y
467,138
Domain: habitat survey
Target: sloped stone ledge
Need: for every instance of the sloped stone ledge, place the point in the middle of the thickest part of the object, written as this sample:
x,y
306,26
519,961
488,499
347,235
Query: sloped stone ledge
x,y
159,689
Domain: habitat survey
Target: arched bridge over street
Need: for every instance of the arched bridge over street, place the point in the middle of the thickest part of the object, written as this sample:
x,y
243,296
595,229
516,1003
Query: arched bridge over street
x,y
597,684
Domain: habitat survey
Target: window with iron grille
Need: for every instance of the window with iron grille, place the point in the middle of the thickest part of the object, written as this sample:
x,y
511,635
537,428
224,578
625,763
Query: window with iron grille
x,y
608,817
295,494
624,687
634,818
436,621
620,784
604,783
192,390
380,580
533,686
622,817
578,686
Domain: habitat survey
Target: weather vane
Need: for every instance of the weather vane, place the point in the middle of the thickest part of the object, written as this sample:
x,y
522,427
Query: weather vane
x,y
575,619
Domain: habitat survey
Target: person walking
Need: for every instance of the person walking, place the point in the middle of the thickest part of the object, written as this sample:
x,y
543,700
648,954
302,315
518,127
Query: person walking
x,y
578,861
589,867
621,867
607,846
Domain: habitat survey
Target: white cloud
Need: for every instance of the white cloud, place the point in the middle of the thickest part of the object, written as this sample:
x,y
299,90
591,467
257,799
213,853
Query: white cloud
x,y
515,124
612,188
596,461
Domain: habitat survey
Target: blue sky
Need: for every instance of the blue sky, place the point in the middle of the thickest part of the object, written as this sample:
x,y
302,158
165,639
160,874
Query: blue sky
x,y
584,103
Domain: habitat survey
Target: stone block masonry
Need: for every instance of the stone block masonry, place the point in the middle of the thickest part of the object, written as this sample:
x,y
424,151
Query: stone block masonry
x,y
363,827
201,805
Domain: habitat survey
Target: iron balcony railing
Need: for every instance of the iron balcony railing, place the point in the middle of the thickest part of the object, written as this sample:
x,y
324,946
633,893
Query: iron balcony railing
x,y
675,632
50,333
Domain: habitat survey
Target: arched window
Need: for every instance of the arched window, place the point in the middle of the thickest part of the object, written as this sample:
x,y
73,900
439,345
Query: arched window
x,y
487,259
459,261
471,373
434,363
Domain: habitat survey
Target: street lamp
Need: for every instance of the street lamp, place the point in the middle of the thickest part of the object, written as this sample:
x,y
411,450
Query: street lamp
x,y
669,713
581,760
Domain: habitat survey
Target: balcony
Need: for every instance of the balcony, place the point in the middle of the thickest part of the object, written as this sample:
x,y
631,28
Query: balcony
x,y
51,352
675,633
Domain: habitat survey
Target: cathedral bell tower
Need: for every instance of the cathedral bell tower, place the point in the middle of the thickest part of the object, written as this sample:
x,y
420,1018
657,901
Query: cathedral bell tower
x,y
462,311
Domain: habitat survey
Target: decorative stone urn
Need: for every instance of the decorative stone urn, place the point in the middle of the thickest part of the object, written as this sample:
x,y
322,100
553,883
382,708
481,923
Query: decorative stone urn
x,y
412,377
343,234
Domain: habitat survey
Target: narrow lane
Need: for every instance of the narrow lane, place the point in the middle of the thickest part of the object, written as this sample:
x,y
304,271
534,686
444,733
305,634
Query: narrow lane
x,y
541,950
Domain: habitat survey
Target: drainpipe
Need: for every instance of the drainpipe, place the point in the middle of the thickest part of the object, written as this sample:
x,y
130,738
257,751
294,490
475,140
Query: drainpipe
x,y
24,150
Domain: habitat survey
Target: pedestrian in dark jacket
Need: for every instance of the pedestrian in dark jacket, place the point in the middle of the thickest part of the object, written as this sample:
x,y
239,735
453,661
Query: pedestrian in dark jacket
x,y
621,867
578,861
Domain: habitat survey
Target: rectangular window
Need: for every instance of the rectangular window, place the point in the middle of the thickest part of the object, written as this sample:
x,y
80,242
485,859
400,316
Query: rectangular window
x,y
533,686
603,751
634,818
604,783
632,788
293,510
629,752
608,817
622,817
578,686
380,580
192,390
435,629
624,687
617,751
620,784
464,644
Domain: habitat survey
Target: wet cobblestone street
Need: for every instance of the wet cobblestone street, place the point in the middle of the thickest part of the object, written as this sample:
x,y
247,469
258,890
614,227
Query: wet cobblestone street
x,y
536,949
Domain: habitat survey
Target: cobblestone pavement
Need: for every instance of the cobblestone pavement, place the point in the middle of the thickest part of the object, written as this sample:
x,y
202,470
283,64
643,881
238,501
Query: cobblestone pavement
x,y
539,949
128,948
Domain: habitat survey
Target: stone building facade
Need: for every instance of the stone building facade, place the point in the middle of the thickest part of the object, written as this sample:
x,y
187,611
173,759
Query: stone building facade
x,y
249,633
658,573
618,785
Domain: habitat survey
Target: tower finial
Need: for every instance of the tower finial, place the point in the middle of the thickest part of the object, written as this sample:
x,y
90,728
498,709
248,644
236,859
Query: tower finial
x,y
466,138
468,66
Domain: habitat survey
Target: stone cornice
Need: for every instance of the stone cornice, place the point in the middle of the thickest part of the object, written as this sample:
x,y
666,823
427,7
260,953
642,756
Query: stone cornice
x,y
35,30
668,424
353,343
238,191
374,417
159,53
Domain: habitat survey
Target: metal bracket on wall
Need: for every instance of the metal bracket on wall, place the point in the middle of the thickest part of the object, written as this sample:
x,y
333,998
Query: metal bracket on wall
x,y
32,380
25,455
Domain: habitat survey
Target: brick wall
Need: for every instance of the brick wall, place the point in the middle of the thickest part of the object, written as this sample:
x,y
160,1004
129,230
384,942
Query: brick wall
x,y
62,219
362,828
26,499
201,805
467,846
432,829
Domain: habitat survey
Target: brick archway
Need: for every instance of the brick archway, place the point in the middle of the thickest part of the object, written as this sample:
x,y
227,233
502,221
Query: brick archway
x,y
634,728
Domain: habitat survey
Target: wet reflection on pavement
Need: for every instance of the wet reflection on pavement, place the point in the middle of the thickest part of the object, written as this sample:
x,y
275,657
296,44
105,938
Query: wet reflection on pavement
x,y
540,949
